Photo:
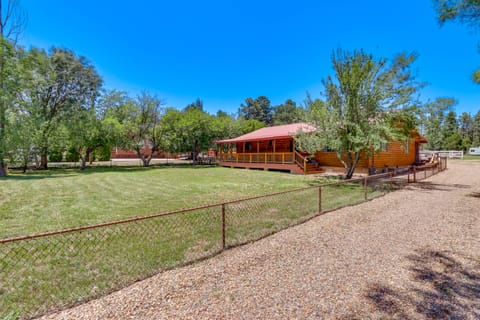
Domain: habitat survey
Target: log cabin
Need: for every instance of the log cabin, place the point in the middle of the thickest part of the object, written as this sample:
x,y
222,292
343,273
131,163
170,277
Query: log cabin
x,y
273,148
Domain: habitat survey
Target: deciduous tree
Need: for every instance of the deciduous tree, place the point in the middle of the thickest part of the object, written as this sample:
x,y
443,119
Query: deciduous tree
x,y
367,104
12,23
57,85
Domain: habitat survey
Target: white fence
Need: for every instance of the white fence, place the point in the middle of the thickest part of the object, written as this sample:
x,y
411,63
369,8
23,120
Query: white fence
x,y
450,154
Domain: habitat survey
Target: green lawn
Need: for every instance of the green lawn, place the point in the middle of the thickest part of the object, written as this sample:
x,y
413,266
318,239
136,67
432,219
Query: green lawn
x,y
41,274
57,199
470,157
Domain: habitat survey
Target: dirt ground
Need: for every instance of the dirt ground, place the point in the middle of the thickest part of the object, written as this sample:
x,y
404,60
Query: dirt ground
x,y
413,254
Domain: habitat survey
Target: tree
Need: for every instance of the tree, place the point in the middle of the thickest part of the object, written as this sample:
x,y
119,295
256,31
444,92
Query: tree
x,y
141,125
198,104
57,85
451,138
19,140
367,104
191,130
12,23
476,130
463,11
433,121
86,133
287,113
257,109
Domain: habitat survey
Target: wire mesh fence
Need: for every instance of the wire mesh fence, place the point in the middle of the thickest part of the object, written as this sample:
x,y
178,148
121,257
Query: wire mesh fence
x,y
45,272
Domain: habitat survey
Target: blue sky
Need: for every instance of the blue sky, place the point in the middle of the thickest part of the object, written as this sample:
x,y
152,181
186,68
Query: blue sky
x,y
225,51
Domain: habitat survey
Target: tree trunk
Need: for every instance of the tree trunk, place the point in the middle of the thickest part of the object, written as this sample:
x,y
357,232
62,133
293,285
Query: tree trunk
x,y
83,162
350,163
3,171
146,161
44,161
195,152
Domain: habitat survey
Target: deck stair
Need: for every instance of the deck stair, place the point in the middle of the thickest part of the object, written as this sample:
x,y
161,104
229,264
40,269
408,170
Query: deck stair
x,y
305,165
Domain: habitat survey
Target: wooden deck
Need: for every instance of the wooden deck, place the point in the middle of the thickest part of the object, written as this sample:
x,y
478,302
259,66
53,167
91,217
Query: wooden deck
x,y
286,167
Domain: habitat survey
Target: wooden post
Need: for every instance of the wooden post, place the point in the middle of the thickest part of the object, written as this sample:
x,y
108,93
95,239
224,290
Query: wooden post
x,y
258,146
223,225
365,182
283,157
274,146
305,165
320,199
414,174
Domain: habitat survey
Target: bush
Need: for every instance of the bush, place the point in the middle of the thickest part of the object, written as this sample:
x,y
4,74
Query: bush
x,y
72,155
103,153
55,155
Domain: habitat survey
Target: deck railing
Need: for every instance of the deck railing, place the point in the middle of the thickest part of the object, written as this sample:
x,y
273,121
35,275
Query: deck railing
x,y
266,157
301,161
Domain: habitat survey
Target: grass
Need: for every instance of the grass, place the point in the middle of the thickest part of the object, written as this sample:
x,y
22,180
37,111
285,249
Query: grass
x,y
470,157
57,199
42,274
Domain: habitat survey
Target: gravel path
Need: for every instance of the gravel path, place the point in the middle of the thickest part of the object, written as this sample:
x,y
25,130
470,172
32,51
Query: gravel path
x,y
413,254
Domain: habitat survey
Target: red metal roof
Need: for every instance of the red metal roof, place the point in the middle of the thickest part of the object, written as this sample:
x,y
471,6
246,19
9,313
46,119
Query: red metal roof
x,y
275,132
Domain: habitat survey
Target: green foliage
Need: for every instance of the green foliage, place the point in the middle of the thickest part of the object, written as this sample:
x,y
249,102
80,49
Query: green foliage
x,y
463,11
257,109
72,155
56,155
104,153
57,87
287,113
433,119
198,104
368,103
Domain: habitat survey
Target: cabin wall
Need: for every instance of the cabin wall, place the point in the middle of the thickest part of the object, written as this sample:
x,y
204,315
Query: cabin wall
x,y
264,146
395,155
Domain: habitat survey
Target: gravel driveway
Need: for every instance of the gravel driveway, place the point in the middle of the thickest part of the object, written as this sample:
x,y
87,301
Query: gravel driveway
x,y
413,254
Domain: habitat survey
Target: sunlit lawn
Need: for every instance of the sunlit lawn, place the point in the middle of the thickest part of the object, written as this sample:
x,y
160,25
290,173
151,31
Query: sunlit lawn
x,y
50,200
69,268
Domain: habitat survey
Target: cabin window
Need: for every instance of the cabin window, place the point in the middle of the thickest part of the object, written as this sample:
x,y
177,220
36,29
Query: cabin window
x,y
291,145
270,143
248,146
384,146
406,146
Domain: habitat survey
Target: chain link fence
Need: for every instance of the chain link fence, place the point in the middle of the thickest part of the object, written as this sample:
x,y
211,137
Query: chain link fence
x,y
45,272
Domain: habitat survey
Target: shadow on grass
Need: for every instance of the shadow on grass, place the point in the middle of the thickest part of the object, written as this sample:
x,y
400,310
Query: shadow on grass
x,y
445,287
53,172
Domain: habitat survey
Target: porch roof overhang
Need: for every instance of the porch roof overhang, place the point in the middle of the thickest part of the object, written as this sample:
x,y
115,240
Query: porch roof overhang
x,y
419,138
271,133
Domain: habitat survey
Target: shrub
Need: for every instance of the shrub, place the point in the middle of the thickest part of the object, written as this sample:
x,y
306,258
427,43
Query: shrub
x,y
55,155
103,153
72,155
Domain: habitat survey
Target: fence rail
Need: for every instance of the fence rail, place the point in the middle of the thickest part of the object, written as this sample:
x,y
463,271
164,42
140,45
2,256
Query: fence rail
x,y
253,157
54,270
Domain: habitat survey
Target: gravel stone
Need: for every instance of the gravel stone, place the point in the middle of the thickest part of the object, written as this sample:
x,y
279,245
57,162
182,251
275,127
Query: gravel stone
x,y
412,254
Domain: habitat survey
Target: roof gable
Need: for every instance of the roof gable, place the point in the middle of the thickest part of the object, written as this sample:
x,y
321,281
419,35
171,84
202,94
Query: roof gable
x,y
275,132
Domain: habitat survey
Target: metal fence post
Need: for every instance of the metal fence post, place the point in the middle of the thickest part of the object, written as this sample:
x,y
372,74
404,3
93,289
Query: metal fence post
x,y
223,225
320,199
